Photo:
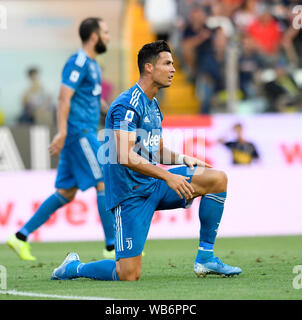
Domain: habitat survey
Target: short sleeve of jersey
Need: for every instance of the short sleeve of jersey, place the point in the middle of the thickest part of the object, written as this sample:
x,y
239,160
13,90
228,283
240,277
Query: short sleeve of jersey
x,y
73,73
230,144
125,119
255,152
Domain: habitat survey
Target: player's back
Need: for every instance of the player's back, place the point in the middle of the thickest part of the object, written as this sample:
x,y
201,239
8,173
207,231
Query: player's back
x,y
83,75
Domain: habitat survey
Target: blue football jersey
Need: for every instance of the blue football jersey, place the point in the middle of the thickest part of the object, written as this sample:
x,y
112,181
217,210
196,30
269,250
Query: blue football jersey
x,y
131,111
83,75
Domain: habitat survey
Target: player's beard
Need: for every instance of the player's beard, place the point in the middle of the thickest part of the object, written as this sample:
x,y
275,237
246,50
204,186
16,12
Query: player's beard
x,y
100,47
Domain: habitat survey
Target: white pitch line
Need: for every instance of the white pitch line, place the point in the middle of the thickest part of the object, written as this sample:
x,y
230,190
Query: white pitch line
x,y
54,296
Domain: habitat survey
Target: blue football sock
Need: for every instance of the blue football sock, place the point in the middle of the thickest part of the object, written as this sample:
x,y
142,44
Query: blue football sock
x,y
99,270
107,219
46,209
210,213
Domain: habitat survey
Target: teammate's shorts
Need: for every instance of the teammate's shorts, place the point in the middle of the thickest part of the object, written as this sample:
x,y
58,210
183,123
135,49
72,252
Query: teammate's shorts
x,y
133,216
78,165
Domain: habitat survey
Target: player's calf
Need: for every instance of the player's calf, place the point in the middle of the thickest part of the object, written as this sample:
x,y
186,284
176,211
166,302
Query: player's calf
x,y
69,194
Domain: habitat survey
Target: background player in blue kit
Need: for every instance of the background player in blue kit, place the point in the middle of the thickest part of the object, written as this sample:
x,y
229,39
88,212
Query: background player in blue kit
x,y
136,187
76,142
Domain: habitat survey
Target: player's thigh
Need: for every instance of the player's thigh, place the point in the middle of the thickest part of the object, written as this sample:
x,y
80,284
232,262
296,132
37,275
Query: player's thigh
x,y
208,180
169,198
132,222
65,178
129,269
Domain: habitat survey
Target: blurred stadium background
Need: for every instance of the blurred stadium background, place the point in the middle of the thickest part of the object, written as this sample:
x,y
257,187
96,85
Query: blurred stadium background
x,y
238,62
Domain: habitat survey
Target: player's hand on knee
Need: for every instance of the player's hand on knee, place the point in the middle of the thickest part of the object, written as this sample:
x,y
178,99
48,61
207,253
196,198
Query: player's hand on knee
x,y
181,186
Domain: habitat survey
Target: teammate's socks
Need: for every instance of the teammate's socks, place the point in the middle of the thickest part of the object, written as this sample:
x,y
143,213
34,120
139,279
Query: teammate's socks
x,y
46,209
21,236
210,213
107,219
98,270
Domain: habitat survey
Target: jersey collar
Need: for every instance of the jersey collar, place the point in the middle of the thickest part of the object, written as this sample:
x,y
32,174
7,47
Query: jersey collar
x,y
140,88
84,53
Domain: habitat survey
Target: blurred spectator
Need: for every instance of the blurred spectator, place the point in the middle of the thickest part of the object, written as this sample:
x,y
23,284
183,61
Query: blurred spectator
x,y
210,69
218,19
204,45
203,51
37,104
280,12
196,40
184,9
282,93
249,65
245,15
200,61
292,43
266,33
243,151
204,29
230,6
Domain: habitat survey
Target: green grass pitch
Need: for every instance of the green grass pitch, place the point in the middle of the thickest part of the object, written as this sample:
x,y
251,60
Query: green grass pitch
x,y
267,264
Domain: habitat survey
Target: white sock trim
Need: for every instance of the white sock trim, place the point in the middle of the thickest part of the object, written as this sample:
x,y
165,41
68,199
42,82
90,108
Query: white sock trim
x,y
202,249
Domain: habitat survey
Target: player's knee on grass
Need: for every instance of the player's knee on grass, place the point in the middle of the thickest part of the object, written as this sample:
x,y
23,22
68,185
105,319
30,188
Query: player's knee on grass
x,y
128,270
129,274
69,194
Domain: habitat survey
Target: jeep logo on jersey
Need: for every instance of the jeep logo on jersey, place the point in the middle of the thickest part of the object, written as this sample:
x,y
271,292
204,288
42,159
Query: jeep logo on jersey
x,y
152,140
97,90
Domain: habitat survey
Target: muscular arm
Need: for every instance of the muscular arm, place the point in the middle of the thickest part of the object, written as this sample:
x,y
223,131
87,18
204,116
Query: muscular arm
x,y
125,142
170,157
63,109
65,96
287,43
197,39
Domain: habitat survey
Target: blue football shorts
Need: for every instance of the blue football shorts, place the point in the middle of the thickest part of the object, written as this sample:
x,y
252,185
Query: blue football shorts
x,y
78,165
133,216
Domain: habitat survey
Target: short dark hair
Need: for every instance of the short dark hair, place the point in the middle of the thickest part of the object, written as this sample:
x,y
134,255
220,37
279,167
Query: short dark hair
x,y
237,125
88,26
149,53
31,71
